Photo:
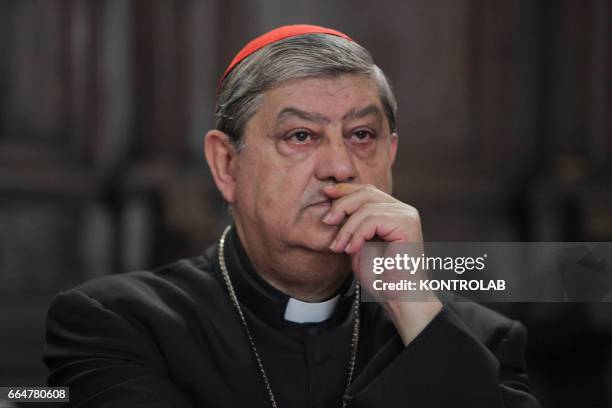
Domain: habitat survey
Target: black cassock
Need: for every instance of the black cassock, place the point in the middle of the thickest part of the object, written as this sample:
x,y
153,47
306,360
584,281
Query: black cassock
x,y
172,338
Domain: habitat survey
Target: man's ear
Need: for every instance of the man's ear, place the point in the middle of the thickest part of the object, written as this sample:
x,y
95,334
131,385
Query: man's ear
x,y
221,157
393,150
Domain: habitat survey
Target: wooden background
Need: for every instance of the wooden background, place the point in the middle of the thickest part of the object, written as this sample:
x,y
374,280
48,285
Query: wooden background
x,y
504,121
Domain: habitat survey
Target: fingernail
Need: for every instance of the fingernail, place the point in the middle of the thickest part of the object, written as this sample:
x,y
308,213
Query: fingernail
x,y
348,248
333,244
327,218
328,187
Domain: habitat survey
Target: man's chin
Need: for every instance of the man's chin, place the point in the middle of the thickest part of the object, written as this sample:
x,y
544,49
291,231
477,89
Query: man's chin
x,y
317,237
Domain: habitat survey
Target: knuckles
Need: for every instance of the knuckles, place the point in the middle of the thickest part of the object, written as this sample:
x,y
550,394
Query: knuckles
x,y
371,187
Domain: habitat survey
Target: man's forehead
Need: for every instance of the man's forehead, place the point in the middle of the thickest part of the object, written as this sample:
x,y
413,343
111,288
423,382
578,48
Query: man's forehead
x,y
326,85
344,97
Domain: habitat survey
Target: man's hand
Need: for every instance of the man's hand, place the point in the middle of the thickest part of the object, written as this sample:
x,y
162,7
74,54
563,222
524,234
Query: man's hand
x,y
369,214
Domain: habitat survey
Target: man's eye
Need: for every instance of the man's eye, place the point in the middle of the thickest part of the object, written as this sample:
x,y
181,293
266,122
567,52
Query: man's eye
x,y
300,136
362,136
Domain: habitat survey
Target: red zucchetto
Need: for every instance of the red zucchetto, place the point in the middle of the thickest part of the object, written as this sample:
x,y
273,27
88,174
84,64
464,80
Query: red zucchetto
x,y
276,35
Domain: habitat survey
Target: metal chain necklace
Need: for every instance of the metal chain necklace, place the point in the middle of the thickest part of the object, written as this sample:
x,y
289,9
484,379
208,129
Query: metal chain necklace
x,y
264,376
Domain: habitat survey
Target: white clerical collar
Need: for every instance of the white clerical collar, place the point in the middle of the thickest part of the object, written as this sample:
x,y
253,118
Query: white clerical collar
x,y
298,311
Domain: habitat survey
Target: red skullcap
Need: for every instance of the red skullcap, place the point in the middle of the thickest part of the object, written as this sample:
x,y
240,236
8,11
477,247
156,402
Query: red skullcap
x,y
276,35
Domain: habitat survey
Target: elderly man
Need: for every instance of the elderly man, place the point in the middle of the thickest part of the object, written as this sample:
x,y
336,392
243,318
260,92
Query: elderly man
x,y
271,316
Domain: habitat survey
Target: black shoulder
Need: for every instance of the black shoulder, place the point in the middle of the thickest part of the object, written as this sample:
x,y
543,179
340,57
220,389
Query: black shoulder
x,y
178,283
487,325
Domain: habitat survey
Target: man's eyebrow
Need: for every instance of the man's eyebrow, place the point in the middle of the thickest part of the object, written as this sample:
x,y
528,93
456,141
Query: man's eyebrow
x,y
363,112
304,115
319,118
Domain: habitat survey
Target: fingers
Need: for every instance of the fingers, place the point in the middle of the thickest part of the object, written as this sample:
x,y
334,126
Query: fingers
x,y
341,189
348,230
371,213
371,226
348,198
387,221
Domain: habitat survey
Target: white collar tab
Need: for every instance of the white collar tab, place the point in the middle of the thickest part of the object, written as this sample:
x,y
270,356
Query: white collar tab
x,y
298,311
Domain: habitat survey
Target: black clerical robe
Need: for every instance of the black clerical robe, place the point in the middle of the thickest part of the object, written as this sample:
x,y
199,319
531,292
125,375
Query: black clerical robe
x,y
172,338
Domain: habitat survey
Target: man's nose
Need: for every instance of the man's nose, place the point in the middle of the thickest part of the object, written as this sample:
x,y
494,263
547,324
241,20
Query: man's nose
x,y
335,161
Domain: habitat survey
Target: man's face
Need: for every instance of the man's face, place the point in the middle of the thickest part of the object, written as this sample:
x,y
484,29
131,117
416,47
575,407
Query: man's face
x,y
308,133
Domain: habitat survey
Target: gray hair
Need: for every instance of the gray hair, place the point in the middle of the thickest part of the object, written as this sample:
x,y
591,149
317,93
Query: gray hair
x,y
310,55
